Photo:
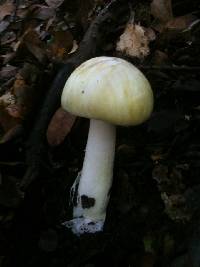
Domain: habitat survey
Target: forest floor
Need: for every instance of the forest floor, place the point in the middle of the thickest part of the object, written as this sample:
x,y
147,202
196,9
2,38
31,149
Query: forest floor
x,y
153,217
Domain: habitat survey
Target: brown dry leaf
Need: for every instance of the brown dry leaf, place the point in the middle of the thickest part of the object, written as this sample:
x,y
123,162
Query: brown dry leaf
x,y
43,12
156,157
4,25
61,45
8,104
37,51
176,26
8,72
54,3
22,12
32,35
135,40
16,103
74,48
162,10
181,23
59,127
6,9
19,84
160,58
15,111
19,100
7,99
33,43
7,58
23,95
8,37
85,12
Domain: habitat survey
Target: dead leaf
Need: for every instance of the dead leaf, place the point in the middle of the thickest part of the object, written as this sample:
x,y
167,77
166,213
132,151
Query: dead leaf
x,y
15,111
22,12
135,40
162,10
49,23
18,101
4,25
86,12
32,41
6,9
7,57
54,3
62,43
8,72
37,51
8,37
181,23
74,48
59,127
8,104
24,98
43,12
160,58
177,28
29,73
7,99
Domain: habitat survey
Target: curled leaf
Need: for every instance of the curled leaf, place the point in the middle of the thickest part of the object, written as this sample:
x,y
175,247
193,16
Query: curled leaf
x,y
135,40
4,25
162,10
59,127
6,9
43,12
15,111
160,58
8,72
7,99
62,43
181,22
74,48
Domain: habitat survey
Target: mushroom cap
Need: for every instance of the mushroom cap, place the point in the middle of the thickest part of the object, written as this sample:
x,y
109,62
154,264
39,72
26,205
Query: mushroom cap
x,y
109,89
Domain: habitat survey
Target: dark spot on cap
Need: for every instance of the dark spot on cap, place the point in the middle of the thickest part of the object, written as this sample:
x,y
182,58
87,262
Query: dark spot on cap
x,y
87,202
82,91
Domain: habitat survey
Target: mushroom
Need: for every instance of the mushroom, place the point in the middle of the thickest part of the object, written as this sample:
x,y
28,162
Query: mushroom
x,y
109,91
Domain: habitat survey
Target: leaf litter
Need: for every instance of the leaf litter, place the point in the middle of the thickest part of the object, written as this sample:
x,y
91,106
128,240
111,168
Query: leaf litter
x,y
154,204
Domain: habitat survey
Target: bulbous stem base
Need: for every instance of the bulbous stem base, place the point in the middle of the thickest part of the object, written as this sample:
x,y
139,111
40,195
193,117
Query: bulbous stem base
x,y
91,190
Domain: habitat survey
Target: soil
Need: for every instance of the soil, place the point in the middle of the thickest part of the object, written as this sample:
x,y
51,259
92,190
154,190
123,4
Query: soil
x,y
153,216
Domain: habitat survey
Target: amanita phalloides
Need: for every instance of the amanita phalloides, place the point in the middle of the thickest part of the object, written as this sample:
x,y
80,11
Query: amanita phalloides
x,y
109,91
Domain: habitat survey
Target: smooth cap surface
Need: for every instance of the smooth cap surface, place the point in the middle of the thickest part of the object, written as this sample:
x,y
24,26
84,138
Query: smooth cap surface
x,y
109,89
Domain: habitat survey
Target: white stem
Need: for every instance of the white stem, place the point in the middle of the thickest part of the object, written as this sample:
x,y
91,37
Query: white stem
x,y
96,178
